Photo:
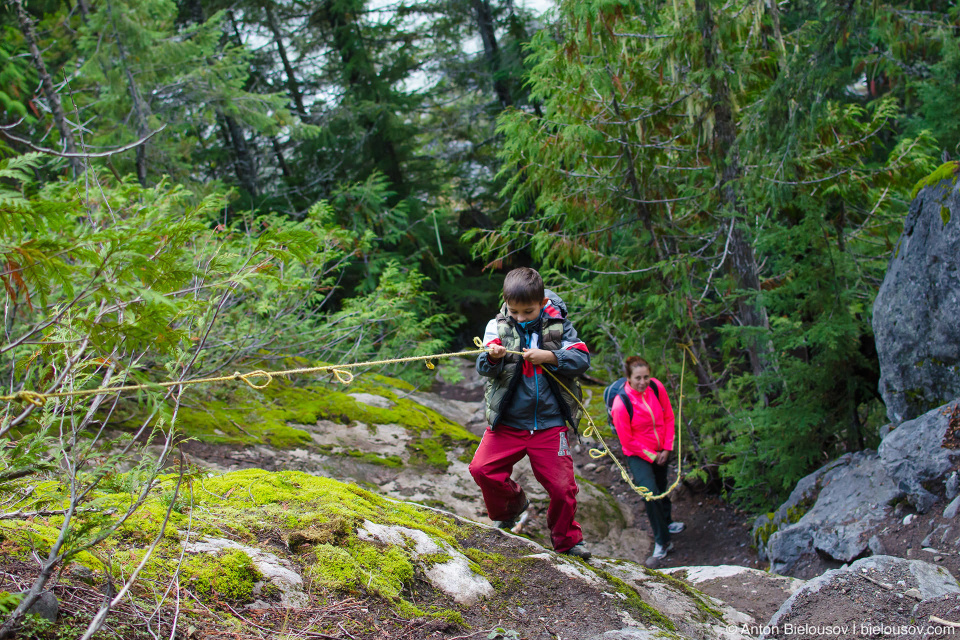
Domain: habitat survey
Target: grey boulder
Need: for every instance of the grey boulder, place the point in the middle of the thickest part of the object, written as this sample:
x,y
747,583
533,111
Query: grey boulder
x,y
913,454
832,512
916,310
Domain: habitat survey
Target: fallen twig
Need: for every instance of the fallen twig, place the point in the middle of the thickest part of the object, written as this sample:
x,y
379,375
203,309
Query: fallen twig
x,y
889,587
955,625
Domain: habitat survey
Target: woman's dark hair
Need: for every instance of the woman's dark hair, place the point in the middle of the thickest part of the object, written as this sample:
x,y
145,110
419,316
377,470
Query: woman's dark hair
x,y
632,363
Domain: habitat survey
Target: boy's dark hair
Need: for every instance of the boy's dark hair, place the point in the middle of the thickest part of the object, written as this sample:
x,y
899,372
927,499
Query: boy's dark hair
x,y
635,362
523,285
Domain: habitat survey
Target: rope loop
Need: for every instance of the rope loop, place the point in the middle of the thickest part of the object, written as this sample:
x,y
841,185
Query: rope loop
x,y
687,346
478,343
259,373
343,376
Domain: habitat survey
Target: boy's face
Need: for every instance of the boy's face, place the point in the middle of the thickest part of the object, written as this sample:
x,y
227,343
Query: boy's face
x,y
525,311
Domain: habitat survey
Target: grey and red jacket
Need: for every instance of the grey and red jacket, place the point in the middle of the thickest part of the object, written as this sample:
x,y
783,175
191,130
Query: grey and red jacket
x,y
521,395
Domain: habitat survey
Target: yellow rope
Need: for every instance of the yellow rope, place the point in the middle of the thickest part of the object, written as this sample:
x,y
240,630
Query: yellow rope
x,y
592,431
345,377
339,371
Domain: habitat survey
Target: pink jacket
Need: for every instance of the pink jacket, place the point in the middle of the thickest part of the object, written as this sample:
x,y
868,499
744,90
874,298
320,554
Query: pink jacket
x,y
652,428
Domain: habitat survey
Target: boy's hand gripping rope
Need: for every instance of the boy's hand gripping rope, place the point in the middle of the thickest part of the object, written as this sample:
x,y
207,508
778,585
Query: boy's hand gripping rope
x,y
592,431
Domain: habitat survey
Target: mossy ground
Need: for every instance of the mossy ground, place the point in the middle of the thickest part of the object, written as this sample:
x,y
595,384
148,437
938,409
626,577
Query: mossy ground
x,y
313,523
234,414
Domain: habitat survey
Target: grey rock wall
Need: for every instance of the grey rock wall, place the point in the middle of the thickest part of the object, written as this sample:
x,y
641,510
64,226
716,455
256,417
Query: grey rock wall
x,y
916,316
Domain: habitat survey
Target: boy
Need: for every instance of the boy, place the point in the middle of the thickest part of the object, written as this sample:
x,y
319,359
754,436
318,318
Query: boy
x,y
527,411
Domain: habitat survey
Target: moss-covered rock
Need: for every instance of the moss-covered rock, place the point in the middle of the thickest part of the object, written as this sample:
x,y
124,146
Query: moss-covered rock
x,y
249,536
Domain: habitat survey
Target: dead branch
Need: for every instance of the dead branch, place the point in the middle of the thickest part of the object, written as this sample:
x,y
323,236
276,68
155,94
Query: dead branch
x,y
4,131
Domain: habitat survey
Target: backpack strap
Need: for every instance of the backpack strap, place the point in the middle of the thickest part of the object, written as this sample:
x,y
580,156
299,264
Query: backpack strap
x,y
626,403
656,389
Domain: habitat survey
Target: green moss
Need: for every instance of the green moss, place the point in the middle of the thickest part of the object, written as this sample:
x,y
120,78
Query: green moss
x,y
646,613
230,575
393,462
402,385
762,534
705,607
221,422
943,172
430,559
945,215
362,567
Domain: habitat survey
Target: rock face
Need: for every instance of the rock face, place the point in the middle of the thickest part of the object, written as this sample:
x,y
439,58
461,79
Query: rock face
x,y
837,511
916,310
831,512
913,453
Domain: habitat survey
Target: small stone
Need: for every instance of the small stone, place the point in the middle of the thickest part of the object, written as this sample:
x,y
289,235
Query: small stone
x,y
937,558
46,606
590,466
953,485
909,518
913,593
951,511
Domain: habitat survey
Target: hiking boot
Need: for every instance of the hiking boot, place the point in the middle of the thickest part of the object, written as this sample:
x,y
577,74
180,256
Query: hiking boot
x,y
510,523
660,552
676,527
578,550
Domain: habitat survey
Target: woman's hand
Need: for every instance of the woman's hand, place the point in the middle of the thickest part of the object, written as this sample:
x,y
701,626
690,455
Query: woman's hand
x,y
662,458
539,356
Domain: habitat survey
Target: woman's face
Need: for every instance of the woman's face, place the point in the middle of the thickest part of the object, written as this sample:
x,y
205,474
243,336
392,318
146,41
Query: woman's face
x,y
639,378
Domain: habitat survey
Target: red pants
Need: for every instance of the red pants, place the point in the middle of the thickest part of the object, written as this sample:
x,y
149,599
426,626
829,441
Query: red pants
x,y
552,465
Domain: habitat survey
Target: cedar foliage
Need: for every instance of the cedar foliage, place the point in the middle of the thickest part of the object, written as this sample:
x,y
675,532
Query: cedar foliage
x,y
729,175
708,173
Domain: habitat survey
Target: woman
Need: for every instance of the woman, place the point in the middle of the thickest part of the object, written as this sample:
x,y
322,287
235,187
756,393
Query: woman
x,y
643,419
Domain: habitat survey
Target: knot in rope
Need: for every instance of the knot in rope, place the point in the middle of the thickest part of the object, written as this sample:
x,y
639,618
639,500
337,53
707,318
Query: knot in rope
x,y
245,377
34,398
343,376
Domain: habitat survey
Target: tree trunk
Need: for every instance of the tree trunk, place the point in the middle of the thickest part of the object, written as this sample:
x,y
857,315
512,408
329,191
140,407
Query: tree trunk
x,y
243,161
49,91
725,156
292,85
139,107
491,51
278,152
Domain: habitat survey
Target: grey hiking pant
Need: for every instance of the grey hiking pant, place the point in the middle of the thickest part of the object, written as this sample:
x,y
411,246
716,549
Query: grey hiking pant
x,y
653,477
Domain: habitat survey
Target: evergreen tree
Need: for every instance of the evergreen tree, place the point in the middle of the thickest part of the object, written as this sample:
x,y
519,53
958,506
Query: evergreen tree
x,y
704,172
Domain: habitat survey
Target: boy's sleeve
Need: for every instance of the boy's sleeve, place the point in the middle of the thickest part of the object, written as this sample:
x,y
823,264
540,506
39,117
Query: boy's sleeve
x,y
669,420
573,358
485,365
